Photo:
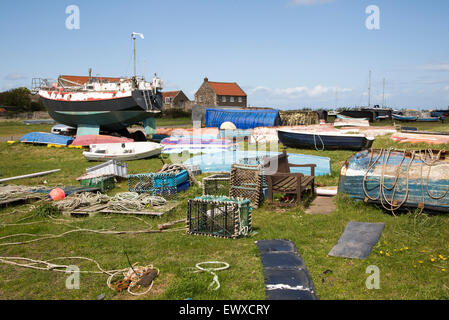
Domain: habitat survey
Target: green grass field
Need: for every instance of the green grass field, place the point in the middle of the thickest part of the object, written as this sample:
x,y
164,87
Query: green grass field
x,y
415,267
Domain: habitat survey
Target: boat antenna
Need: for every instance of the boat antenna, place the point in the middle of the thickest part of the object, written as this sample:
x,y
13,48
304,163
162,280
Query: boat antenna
x,y
134,36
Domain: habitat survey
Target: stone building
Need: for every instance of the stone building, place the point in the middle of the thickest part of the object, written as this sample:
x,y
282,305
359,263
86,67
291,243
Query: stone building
x,y
176,100
220,94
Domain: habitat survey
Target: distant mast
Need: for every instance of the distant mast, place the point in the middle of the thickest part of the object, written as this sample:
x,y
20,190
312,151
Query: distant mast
x,y
134,36
383,94
369,90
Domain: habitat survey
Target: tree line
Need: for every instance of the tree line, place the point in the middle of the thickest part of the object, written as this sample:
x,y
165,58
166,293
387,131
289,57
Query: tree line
x,y
20,100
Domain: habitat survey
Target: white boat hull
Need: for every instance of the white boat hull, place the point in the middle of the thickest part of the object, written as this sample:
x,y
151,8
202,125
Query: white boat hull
x,y
122,151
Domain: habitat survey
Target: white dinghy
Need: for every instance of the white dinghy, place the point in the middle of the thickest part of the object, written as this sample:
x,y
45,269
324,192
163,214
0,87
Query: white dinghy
x,y
122,151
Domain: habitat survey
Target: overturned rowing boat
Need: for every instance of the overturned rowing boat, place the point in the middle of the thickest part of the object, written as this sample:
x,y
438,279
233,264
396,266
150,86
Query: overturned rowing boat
x,y
324,140
398,179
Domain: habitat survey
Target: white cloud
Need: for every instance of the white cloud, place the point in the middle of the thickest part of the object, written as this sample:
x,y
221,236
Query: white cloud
x,y
298,92
309,2
15,76
436,67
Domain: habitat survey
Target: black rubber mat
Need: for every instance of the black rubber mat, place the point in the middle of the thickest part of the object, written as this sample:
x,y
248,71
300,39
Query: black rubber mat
x,y
357,240
286,276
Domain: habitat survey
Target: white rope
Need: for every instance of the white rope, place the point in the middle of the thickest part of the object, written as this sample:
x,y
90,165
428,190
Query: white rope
x,y
133,274
314,141
211,271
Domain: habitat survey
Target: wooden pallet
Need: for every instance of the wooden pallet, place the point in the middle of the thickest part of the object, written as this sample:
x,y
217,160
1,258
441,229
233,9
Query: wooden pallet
x,y
102,209
22,198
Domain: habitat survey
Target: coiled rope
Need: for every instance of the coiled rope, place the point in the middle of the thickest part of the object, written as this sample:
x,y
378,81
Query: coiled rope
x,y
211,271
428,159
131,276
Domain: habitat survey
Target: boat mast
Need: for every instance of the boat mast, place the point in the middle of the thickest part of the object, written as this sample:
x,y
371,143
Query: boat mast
x,y
383,94
134,36
369,90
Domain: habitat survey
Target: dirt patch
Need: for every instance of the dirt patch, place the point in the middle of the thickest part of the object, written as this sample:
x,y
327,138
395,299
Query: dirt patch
x,y
322,205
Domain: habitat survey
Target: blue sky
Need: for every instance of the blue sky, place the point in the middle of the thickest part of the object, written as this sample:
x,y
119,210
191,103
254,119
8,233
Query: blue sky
x,y
283,53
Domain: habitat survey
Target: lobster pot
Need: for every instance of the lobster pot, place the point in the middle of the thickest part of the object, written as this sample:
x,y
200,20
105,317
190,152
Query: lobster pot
x,y
104,183
219,216
254,161
157,184
217,184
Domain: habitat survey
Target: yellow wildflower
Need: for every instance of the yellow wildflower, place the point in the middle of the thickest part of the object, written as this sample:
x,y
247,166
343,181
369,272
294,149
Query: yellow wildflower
x,y
387,254
406,248
381,252
441,257
420,261
432,259
444,270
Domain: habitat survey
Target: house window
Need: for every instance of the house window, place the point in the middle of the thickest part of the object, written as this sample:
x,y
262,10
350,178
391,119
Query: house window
x,y
167,100
240,99
223,99
200,99
231,99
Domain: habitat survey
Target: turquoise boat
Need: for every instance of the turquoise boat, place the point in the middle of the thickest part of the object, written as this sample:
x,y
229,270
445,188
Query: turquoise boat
x,y
222,161
404,118
90,122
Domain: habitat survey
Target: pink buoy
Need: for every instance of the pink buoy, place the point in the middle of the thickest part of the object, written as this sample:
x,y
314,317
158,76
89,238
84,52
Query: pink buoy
x,y
57,194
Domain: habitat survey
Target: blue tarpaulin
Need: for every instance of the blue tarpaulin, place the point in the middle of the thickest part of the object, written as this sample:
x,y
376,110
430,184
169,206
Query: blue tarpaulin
x,y
46,138
243,119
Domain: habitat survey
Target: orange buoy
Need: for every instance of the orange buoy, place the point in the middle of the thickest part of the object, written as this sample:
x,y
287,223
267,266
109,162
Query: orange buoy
x,y
57,194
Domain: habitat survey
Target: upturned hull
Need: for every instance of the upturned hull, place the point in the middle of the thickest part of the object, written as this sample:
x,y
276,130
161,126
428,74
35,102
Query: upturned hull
x,y
403,118
396,180
321,141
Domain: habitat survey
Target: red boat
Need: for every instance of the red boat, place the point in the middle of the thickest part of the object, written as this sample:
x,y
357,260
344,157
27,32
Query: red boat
x,y
97,139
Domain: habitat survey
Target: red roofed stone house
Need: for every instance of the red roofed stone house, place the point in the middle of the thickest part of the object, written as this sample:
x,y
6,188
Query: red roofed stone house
x,y
220,94
176,100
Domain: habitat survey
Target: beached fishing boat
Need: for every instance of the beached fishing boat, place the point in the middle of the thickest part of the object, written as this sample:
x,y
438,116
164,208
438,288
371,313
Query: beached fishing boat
x,y
122,151
324,140
93,103
398,179
46,138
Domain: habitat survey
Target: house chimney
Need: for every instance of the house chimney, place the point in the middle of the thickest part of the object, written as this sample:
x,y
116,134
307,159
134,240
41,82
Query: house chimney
x,y
206,80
